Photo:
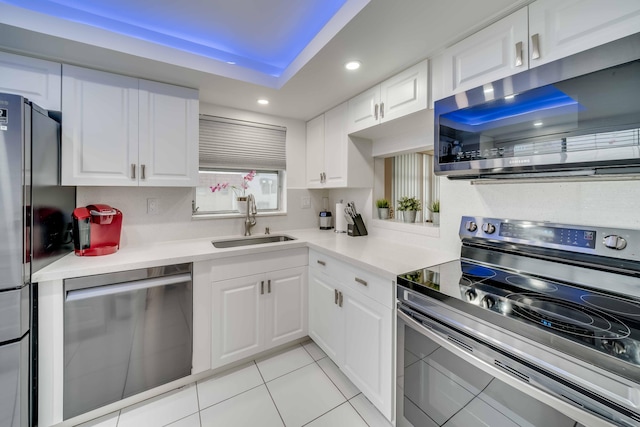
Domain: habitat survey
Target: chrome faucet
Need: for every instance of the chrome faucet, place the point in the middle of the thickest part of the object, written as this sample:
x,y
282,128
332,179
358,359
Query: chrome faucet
x,y
250,220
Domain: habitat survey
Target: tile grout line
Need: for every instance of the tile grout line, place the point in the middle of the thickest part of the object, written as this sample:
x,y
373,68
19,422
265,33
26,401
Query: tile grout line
x,y
356,409
325,413
347,400
198,399
270,396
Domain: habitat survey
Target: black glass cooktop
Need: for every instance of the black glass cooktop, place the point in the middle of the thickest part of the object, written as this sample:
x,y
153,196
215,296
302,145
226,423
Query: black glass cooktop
x,y
604,322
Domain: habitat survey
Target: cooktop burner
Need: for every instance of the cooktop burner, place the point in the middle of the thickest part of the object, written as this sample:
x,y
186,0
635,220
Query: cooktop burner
x,y
477,271
613,304
531,283
568,317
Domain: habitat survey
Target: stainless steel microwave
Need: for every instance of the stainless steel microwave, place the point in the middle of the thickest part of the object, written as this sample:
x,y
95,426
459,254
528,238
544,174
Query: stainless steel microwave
x,y
579,116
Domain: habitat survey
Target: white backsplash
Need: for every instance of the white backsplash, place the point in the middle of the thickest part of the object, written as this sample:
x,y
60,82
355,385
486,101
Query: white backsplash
x,y
610,203
174,221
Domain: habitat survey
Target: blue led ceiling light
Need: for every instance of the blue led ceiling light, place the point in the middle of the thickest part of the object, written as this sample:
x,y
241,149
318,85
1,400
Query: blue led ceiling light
x,y
532,101
275,43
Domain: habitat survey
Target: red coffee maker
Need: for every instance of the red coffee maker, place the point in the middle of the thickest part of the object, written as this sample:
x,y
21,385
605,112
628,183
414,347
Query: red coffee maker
x,y
96,230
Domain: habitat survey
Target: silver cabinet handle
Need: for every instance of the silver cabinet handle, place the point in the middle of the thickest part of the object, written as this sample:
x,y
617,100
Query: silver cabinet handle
x,y
519,54
142,168
262,288
335,298
101,291
133,171
321,181
269,286
375,111
339,299
361,281
535,46
322,263
382,110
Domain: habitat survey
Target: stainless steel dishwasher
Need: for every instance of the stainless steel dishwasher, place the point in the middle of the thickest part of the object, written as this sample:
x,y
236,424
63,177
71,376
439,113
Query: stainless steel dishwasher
x,y
125,333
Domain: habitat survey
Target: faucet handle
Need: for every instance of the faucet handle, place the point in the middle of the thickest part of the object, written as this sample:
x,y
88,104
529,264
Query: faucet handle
x,y
266,230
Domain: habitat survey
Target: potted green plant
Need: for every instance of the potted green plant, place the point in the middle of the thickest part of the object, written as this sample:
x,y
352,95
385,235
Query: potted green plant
x,y
383,208
409,206
435,211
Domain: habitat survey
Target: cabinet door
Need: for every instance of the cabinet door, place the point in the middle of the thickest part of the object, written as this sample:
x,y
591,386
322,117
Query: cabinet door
x,y
404,93
364,110
168,150
315,152
335,146
100,128
368,349
567,27
285,306
38,80
326,324
493,53
237,319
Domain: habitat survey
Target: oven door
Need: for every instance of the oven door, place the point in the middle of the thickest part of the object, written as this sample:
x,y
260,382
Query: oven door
x,y
444,379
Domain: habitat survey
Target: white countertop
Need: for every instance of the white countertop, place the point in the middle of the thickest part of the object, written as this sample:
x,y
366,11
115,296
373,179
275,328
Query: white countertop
x,y
379,256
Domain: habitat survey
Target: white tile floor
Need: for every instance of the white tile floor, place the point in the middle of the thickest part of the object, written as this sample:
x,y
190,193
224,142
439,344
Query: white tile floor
x,y
299,386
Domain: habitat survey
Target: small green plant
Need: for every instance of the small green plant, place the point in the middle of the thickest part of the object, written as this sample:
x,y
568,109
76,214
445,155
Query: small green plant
x,y
409,204
382,203
435,206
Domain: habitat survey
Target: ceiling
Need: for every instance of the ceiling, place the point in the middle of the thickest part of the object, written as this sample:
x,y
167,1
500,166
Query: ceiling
x,y
292,53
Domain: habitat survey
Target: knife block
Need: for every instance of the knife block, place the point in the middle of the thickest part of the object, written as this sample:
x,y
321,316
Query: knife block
x,y
357,228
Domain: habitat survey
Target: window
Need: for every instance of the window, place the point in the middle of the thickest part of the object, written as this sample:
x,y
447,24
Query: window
x,y
218,190
411,175
238,158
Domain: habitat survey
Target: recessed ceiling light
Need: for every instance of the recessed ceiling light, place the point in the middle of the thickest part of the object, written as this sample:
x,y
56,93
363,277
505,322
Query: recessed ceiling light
x,y
488,90
538,124
510,96
231,63
263,101
352,65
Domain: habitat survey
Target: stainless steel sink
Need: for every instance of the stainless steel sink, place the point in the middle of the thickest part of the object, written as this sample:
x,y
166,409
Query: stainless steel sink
x,y
246,241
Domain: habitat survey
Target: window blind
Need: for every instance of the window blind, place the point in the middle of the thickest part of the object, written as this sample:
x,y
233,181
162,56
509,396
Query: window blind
x,y
237,144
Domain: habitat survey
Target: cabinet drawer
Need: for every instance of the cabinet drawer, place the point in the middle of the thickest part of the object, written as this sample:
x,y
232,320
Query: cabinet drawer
x,y
357,279
328,265
246,265
370,285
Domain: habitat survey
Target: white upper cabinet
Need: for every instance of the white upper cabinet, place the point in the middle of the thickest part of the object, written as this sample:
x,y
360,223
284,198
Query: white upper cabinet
x,y
563,28
544,31
364,110
35,79
334,159
121,131
168,149
315,152
99,128
403,94
493,53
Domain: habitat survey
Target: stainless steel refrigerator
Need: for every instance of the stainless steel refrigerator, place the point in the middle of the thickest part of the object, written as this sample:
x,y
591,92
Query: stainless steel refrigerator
x,y
35,230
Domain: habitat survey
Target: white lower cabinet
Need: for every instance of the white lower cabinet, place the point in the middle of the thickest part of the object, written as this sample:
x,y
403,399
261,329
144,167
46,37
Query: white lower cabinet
x,y
350,323
326,319
256,312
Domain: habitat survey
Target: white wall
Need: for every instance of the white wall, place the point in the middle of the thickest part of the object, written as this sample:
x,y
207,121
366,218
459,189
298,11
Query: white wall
x,y
175,221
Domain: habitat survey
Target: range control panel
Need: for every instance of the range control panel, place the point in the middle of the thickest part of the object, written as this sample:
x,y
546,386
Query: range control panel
x,y
611,242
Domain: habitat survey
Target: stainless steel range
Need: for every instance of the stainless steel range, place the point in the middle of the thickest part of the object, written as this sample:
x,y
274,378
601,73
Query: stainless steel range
x,y
536,324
